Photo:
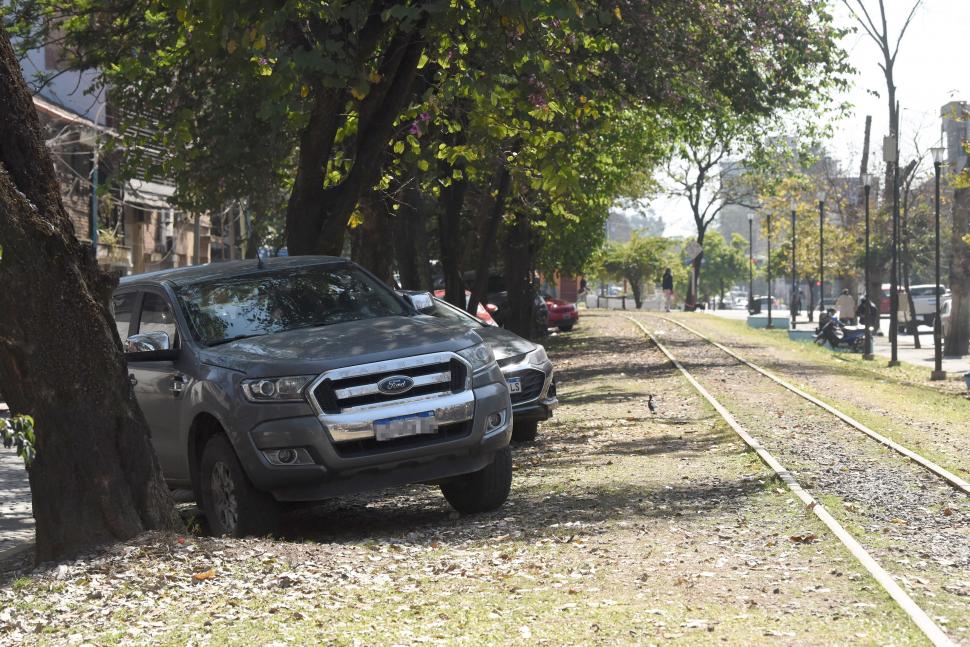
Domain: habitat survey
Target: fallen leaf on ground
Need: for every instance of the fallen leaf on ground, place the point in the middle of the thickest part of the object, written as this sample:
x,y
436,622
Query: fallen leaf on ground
x,y
204,575
806,538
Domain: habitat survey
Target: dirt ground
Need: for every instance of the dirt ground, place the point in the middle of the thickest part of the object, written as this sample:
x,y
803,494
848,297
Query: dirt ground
x,y
623,527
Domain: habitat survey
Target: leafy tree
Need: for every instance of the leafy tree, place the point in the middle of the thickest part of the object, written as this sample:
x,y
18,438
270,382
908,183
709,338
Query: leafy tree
x,y
724,264
638,261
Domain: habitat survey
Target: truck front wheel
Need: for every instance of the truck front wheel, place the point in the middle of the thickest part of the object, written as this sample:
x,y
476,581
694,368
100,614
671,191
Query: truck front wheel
x,y
484,490
231,504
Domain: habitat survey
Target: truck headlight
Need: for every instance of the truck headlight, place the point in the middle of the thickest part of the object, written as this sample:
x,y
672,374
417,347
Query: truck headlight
x,y
538,357
479,356
275,389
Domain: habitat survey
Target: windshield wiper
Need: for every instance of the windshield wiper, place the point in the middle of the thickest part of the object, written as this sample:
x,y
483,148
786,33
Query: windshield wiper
x,y
226,340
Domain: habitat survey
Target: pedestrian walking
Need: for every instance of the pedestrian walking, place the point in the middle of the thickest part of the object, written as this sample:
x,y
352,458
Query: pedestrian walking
x,y
845,304
667,283
904,314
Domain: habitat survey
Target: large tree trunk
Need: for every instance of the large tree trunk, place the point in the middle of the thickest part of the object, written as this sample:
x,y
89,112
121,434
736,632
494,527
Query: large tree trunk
x,y
519,315
411,239
378,113
488,234
956,342
374,239
95,478
449,241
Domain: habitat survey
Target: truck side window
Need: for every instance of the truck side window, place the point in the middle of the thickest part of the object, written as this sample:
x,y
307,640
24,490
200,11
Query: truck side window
x,y
122,307
157,316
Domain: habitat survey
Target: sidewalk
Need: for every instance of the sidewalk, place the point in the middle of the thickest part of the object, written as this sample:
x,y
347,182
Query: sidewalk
x,y
16,519
906,350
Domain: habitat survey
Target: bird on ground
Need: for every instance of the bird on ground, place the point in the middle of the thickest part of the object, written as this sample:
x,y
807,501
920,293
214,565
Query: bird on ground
x,y
650,406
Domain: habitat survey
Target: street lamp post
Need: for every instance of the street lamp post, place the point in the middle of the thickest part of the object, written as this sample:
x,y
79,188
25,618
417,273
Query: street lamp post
x,y
768,267
794,274
938,372
867,353
750,262
821,252
890,154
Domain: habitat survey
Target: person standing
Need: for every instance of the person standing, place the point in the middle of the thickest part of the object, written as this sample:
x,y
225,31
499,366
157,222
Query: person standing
x,y
845,305
667,283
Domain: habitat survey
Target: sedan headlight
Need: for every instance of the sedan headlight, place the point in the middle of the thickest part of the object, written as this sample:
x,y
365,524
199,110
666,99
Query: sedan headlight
x,y
480,356
276,389
538,357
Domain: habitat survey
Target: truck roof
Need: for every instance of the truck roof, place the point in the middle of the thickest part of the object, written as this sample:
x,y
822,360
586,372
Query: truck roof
x,y
226,269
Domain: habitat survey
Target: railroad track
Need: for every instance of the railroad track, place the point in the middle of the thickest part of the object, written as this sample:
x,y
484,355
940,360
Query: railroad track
x,y
837,455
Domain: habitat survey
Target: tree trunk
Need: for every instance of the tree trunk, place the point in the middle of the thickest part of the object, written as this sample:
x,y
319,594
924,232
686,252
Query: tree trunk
x,y
449,241
374,239
95,478
378,113
406,253
519,317
958,335
489,232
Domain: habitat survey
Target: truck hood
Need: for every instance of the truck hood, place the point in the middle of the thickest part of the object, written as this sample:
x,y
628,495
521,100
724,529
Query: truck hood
x,y
505,344
307,351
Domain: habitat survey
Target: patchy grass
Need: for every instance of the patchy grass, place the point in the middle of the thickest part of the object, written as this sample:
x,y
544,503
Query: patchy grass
x,y
623,527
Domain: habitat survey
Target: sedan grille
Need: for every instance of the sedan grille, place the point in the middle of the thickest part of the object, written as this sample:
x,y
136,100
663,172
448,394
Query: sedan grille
x,y
532,381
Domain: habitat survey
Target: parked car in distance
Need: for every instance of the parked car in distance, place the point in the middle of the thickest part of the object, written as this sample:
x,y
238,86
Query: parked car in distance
x,y
298,379
483,312
526,367
924,301
562,314
885,298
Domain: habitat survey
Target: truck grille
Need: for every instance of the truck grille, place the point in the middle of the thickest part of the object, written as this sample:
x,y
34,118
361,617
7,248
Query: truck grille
x,y
358,389
532,381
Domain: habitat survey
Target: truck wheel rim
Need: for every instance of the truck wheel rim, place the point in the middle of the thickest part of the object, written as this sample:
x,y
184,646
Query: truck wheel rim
x,y
224,496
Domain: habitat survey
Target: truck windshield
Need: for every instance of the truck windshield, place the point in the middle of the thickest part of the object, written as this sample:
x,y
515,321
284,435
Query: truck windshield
x,y
225,309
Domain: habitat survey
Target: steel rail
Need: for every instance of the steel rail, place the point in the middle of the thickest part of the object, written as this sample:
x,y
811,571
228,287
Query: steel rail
x,y
919,617
954,480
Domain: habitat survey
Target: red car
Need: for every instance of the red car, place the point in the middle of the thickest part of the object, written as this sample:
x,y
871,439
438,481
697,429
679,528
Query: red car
x,y
485,310
562,314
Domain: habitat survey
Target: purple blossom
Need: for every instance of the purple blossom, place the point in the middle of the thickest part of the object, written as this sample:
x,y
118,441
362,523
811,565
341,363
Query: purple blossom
x,y
425,117
415,129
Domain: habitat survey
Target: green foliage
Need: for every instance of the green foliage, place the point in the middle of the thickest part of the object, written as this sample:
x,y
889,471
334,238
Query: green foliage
x,y
19,432
637,261
724,264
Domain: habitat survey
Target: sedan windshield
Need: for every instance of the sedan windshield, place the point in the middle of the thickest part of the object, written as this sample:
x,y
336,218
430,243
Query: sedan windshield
x,y
226,309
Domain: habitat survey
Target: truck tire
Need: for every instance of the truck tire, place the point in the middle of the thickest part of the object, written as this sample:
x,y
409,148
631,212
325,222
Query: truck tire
x,y
484,490
566,327
525,432
231,504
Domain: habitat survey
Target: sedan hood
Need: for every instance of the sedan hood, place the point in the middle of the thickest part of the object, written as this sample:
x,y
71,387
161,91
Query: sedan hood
x,y
314,350
505,344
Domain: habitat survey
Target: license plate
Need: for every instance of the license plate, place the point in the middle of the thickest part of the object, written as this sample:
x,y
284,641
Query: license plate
x,y
515,385
414,424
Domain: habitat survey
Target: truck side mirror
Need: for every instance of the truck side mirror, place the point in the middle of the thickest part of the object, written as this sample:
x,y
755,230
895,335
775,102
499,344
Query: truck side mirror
x,y
150,347
423,302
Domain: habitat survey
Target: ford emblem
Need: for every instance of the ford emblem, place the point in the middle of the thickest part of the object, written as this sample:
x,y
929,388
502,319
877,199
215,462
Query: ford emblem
x,y
395,385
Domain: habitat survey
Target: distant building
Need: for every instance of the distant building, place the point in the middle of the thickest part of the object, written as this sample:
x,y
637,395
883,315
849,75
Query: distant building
x,y
955,128
138,228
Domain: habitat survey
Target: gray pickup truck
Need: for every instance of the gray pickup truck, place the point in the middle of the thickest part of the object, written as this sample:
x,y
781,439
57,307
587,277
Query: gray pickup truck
x,y
300,379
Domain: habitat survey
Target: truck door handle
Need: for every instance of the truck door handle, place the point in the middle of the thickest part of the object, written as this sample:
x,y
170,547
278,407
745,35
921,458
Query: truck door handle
x,y
178,384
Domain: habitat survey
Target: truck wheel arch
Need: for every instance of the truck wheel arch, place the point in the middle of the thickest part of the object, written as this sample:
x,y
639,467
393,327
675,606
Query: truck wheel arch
x,y
204,427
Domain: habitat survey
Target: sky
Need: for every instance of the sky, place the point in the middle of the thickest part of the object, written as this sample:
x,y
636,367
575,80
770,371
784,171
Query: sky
x,y
931,70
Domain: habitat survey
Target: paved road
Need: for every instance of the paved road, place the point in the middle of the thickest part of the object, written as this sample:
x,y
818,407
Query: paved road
x,y
906,350
16,521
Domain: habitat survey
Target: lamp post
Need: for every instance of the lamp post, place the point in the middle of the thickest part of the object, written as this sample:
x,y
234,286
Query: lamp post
x,y
750,262
794,274
821,252
890,154
768,267
938,372
867,353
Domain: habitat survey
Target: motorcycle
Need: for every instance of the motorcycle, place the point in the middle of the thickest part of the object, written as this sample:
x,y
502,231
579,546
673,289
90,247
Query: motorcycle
x,y
833,331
